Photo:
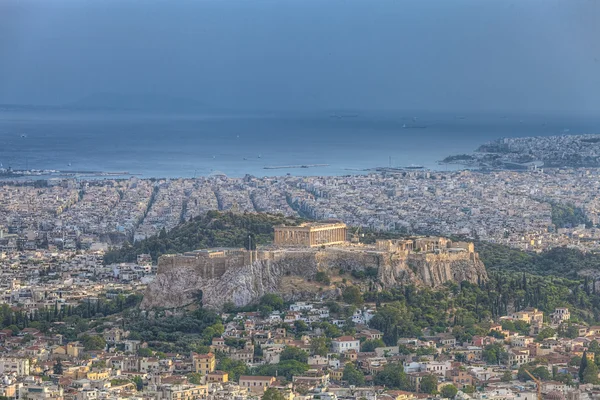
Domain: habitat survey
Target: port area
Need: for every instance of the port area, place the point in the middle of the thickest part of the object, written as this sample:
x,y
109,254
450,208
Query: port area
x,y
295,166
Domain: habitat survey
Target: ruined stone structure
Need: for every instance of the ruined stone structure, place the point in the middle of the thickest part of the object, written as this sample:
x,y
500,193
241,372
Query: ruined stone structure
x,y
242,277
425,244
311,234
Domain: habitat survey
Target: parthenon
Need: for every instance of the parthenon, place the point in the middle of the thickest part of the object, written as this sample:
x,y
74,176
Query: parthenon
x,y
311,234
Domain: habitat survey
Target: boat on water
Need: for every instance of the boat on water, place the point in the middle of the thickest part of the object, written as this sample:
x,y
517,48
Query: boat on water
x,y
414,126
414,166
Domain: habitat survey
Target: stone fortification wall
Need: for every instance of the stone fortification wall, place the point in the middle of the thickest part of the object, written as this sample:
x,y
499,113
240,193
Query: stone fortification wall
x,y
243,277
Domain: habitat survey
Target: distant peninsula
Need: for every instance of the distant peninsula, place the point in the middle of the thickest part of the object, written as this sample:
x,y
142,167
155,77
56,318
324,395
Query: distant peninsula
x,y
136,102
563,151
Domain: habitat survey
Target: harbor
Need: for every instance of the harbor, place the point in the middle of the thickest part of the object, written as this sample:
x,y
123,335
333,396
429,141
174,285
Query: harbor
x,y
296,166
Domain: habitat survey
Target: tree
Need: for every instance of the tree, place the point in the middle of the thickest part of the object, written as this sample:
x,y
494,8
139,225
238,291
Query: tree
x,y
583,365
496,334
565,378
145,352
392,376
352,295
57,369
353,376
429,384
300,326
294,353
469,389
448,391
494,353
139,383
318,346
545,334
575,361
195,378
372,344
541,373
287,368
27,338
590,375
234,368
93,342
272,394
273,300
323,278
506,376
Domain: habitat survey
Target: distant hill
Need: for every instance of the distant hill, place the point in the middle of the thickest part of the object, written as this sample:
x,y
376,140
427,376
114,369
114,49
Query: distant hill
x,y
214,229
141,102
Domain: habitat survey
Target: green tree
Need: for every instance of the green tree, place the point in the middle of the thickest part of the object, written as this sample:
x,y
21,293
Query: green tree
x,y
93,342
353,376
372,344
27,338
545,334
494,353
393,377
575,361
57,369
323,278
139,383
469,389
352,295
234,368
590,375
300,326
506,376
273,394
318,346
429,384
294,353
273,300
287,368
565,378
195,378
541,373
583,365
448,391
145,352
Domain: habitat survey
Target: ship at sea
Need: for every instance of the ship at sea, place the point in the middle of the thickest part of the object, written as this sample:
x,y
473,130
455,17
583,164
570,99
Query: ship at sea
x,y
414,126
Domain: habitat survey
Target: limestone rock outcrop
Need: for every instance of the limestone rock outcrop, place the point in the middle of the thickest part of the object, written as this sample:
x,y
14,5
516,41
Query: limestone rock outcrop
x,y
242,277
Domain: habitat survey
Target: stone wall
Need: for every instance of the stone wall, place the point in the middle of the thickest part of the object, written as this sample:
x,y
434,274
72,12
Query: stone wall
x,y
234,278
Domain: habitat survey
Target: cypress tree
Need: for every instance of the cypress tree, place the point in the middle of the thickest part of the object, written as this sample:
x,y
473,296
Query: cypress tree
x,y
583,365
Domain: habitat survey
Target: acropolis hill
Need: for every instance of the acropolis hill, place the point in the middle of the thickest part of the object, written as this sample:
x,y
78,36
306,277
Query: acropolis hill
x,y
297,254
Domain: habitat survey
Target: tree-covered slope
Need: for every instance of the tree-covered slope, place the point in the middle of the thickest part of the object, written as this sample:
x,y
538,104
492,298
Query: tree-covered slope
x,y
559,261
214,229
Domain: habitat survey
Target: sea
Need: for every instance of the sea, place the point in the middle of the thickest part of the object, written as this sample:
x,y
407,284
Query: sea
x,y
175,145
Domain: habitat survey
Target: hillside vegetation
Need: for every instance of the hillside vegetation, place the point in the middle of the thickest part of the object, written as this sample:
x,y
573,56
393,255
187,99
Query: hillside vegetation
x,y
559,261
214,229
568,216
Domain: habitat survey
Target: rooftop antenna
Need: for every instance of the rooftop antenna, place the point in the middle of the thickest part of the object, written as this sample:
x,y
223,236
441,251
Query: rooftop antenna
x,y
390,161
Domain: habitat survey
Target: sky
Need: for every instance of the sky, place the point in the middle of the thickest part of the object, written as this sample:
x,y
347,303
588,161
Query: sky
x,y
438,55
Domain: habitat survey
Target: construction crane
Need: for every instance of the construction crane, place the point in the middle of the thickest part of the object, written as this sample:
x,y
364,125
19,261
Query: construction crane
x,y
538,383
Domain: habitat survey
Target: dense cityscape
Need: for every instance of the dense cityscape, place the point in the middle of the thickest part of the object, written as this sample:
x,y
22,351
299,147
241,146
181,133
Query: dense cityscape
x,y
66,333
299,200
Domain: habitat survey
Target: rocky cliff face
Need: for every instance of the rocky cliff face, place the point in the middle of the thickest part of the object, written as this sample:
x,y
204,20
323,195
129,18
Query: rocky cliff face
x,y
286,272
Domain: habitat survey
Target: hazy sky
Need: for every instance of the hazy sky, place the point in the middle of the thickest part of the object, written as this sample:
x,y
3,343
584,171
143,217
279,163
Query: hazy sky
x,y
521,55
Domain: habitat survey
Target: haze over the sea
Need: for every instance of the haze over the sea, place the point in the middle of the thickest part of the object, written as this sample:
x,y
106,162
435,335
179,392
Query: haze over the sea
x,y
459,56
191,87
